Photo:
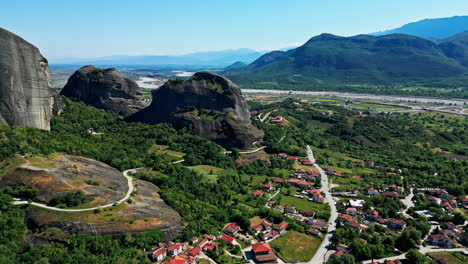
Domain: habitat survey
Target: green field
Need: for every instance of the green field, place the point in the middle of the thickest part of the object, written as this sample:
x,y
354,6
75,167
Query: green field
x,y
209,172
294,246
452,257
321,210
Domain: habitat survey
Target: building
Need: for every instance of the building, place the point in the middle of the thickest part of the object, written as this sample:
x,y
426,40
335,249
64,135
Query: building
x,y
358,204
158,254
262,252
314,231
210,246
440,240
175,249
270,235
351,211
194,251
180,259
281,227
372,216
353,225
229,239
396,224
277,120
344,218
209,237
282,155
306,213
441,193
268,187
257,193
343,248
232,229
372,191
370,164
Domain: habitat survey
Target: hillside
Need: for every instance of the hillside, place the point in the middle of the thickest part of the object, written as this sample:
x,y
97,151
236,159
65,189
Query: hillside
x,y
436,28
456,47
362,59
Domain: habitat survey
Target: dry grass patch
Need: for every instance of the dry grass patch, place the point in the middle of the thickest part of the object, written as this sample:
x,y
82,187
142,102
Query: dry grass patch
x,y
256,220
163,149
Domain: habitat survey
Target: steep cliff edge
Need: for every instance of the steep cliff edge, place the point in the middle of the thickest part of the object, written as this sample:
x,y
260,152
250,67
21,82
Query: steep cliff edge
x,y
26,98
105,89
210,105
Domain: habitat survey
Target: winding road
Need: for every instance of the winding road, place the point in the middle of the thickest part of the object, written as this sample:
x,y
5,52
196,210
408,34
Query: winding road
x,y
321,252
131,187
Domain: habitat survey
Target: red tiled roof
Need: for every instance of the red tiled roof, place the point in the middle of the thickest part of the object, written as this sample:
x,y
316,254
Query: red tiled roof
x,y
292,158
257,193
176,260
174,247
194,251
282,225
210,246
398,222
261,247
257,227
338,253
277,179
158,252
227,238
353,224
347,217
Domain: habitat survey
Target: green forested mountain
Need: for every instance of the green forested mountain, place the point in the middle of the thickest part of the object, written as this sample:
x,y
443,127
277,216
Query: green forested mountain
x,y
362,59
456,47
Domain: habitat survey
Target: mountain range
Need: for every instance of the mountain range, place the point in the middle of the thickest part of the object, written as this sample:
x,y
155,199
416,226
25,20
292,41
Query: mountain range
x,y
211,58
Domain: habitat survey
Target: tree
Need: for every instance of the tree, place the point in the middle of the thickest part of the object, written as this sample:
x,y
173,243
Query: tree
x,y
414,257
343,259
409,238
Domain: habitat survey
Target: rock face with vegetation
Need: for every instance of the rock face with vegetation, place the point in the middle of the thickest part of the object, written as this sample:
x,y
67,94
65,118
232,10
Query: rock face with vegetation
x,y
105,89
26,98
210,105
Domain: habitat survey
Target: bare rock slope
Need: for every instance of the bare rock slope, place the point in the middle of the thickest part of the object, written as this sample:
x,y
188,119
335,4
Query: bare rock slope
x,y
105,89
210,105
26,98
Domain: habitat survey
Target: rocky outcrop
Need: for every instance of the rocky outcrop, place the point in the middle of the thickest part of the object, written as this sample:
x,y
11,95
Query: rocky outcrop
x,y
26,98
211,105
105,89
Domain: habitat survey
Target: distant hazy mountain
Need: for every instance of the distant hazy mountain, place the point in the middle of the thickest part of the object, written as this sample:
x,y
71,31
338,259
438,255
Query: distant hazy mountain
x,y
212,58
351,60
236,64
436,28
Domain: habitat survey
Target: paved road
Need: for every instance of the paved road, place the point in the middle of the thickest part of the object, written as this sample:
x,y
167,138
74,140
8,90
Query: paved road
x,y
408,203
247,152
423,251
127,196
320,255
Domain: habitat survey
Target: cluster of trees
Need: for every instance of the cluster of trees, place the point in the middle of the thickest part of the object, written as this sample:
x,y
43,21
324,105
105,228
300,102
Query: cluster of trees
x,y
70,199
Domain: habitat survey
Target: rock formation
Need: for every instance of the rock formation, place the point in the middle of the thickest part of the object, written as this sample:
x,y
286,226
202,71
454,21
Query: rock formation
x,y
211,105
26,98
105,89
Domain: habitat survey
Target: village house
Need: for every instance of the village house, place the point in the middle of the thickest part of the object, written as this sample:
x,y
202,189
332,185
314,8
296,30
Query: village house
x,y
268,187
209,237
277,180
343,248
281,227
370,164
337,254
290,209
314,231
158,254
175,249
229,239
306,162
294,159
262,227
344,218
439,240
298,183
358,204
330,171
306,213
202,243
464,201
181,259
353,225
277,120
282,155
262,252
351,211
257,193
232,229
441,193
210,246
271,203
270,235
371,191
396,224
194,251
194,240
372,216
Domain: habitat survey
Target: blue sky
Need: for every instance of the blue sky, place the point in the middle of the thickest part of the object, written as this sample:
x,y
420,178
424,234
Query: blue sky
x,y
91,28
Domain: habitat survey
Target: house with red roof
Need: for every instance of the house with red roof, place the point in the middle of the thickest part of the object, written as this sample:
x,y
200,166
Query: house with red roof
x,y
282,155
281,227
441,193
372,216
370,164
343,248
353,225
257,193
371,191
306,213
306,162
194,240
277,120
158,254
396,224
180,259
440,240
290,209
464,200
277,180
344,218
270,235
194,251
268,187
210,246
313,231
271,203
175,249
229,239
293,159
209,237
262,252
351,211
202,243
337,254
232,229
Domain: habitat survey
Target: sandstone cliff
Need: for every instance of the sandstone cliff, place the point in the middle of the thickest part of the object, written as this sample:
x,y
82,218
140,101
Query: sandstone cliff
x,y
26,98
105,89
211,105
